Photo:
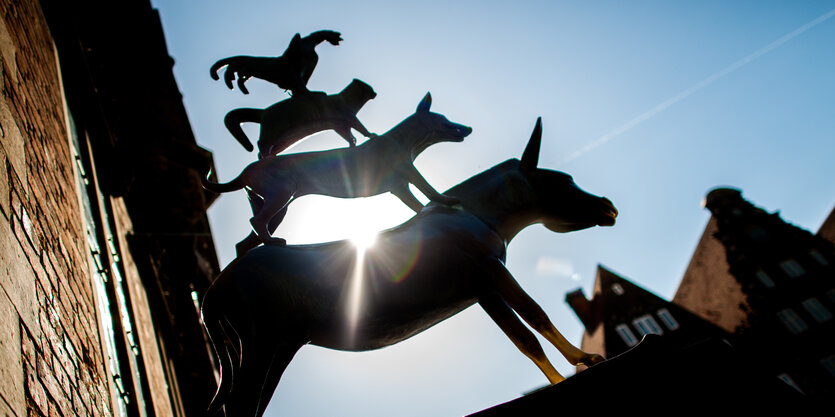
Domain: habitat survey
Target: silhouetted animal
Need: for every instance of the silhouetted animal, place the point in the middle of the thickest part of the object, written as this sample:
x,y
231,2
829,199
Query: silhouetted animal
x,y
381,164
288,121
290,71
273,300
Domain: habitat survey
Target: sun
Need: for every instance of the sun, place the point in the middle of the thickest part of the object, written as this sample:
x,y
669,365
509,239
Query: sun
x,y
363,238
319,219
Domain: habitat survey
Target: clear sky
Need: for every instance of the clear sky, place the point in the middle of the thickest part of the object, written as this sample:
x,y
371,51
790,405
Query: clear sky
x,y
649,103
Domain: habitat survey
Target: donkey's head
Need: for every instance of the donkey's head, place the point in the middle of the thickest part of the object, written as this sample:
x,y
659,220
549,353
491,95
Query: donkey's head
x,y
560,204
435,127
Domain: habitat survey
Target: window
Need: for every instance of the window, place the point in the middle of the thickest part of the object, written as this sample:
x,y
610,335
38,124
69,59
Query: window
x,y
121,350
828,363
757,234
817,310
764,278
789,381
792,268
626,335
647,325
667,319
617,289
818,257
792,321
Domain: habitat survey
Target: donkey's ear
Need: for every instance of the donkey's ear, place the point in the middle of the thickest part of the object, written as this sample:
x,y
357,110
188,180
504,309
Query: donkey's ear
x,y
295,45
425,104
530,158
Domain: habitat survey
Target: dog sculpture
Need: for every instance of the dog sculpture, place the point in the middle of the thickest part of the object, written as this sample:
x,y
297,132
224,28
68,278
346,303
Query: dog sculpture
x,y
288,121
273,300
382,164
290,71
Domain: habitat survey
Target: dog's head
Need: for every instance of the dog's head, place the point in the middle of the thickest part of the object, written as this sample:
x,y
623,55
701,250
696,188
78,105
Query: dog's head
x,y
561,205
438,128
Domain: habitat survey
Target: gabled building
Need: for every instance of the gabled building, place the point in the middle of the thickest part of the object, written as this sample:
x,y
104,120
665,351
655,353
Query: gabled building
x,y
769,283
765,286
621,313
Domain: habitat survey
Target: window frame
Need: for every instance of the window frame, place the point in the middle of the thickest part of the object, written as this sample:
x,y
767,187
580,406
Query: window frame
x,y
626,334
667,318
646,324
792,321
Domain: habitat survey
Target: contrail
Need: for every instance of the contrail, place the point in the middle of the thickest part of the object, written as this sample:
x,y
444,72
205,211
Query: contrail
x,y
696,87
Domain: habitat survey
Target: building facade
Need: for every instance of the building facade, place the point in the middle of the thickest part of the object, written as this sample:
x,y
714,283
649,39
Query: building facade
x,y
621,313
755,281
104,239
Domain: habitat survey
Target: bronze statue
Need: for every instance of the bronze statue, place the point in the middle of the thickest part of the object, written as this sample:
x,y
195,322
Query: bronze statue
x,y
288,121
290,71
381,164
273,300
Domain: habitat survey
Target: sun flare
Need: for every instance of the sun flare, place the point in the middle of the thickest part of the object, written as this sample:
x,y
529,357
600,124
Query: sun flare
x,y
317,219
363,238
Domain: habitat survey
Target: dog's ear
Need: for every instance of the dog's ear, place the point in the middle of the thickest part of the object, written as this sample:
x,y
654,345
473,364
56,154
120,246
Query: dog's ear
x,y
425,104
530,158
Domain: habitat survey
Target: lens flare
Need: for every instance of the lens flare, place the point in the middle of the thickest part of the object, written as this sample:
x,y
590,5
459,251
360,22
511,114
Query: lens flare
x,y
354,304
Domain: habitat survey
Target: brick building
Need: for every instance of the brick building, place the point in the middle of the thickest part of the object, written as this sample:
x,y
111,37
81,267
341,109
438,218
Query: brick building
x,y
621,313
755,281
104,240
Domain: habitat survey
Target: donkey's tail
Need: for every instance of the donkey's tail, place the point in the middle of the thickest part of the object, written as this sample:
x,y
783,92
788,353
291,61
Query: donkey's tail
x,y
226,344
233,122
233,185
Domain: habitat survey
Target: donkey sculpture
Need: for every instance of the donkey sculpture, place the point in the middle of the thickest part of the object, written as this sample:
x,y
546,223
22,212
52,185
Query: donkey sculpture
x,y
382,164
272,301
290,71
291,120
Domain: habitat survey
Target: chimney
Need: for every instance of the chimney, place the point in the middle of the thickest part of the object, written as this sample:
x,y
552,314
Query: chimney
x,y
581,306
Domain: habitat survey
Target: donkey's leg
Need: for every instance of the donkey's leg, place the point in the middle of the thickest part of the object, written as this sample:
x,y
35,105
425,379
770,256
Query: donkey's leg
x,y
263,363
519,335
533,314
281,358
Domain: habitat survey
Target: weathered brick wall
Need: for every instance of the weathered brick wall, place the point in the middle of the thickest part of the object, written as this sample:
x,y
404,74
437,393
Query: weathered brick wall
x,y
50,349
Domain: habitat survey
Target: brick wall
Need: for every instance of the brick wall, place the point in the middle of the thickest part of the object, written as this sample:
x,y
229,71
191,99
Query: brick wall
x,y
51,361
56,317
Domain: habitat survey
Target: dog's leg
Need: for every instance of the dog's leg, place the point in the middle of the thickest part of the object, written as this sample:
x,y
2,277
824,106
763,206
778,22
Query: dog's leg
x,y
415,178
533,314
252,240
405,195
260,221
524,340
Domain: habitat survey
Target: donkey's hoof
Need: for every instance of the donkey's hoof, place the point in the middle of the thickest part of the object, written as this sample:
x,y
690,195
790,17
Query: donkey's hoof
x,y
590,359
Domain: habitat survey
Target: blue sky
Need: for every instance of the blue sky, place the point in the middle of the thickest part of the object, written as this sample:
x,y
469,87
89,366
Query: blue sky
x,y
650,103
